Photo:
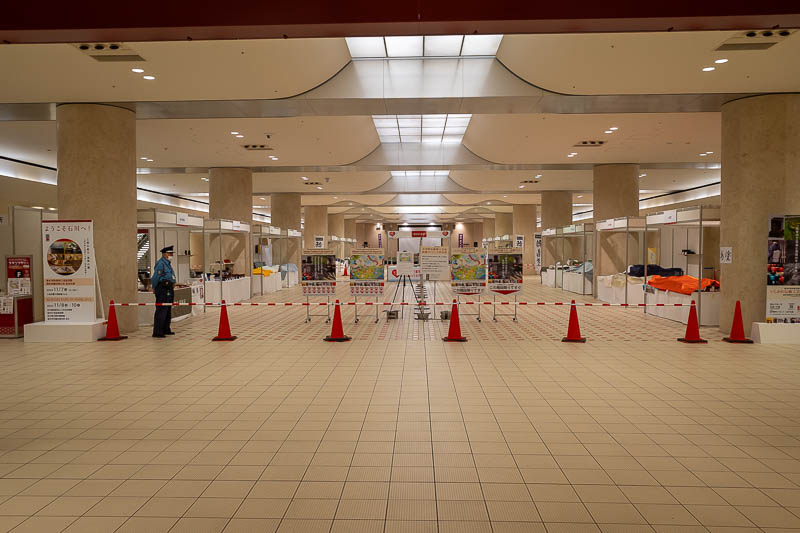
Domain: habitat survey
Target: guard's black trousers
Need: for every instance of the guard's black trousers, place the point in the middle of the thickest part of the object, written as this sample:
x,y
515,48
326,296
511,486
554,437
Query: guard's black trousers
x,y
163,316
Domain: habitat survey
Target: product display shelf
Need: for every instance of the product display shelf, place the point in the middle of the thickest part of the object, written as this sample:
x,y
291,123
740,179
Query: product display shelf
x,y
289,244
227,260
157,229
574,244
266,276
620,244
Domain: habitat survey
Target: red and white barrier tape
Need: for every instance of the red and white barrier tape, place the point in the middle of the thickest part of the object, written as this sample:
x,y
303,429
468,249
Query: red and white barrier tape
x,y
315,304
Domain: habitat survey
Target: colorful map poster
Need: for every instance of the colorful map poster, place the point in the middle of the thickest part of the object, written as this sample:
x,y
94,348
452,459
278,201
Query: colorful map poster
x,y
783,270
318,272
366,271
505,271
468,271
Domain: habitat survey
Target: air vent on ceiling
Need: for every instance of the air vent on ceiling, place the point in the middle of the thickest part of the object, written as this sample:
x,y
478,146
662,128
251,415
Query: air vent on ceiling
x,y
526,182
256,147
588,144
754,40
311,183
108,52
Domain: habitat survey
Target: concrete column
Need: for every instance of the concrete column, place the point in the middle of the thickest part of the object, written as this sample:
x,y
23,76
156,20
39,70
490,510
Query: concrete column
x,y
285,213
488,228
230,194
524,217
315,223
615,190
350,233
336,225
503,224
556,209
97,180
760,169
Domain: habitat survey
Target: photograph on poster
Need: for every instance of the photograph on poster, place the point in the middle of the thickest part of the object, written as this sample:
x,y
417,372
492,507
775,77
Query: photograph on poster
x,y
319,267
505,272
65,257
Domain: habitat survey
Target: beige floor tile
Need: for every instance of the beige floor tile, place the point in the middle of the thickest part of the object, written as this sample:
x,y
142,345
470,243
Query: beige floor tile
x,y
139,524
45,524
199,525
361,510
95,524
357,526
614,513
563,512
312,509
165,507
508,511
252,525
214,507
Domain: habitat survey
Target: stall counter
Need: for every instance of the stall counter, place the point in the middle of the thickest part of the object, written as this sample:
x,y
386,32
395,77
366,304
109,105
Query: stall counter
x,y
232,290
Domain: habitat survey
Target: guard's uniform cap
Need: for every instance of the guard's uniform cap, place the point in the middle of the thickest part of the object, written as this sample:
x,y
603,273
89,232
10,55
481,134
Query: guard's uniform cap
x,y
167,249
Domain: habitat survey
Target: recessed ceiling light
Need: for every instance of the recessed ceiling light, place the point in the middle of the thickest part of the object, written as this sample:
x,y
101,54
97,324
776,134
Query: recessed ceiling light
x,y
702,155
570,155
234,133
505,196
642,175
613,128
51,208
538,176
143,158
149,160
709,153
149,77
608,131
708,69
488,203
240,136
335,197
318,187
262,198
137,70
204,179
36,207
580,196
720,61
274,158
521,186
304,178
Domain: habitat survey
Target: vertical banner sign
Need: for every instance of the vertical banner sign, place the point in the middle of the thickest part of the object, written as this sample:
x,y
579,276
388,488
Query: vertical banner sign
x,y
505,271
18,272
460,240
468,271
319,242
433,260
537,251
380,241
405,263
366,271
69,271
783,270
318,272
519,241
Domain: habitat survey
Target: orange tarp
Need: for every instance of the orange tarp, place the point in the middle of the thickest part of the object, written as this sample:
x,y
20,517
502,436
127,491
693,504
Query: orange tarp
x,y
681,284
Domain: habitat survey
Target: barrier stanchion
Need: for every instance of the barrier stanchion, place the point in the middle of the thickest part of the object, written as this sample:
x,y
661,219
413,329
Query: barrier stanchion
x,y
224,333
737,328
574,328
337,331
454,332
112,328
692,335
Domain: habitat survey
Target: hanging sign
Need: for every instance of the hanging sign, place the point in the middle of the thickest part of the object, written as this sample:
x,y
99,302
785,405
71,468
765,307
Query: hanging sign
x,y
18,274
505,271
69,271
468,271
725,255
405,263
460,240
433,260
671,216
519,241
183,219
366,271
537,251
319,242
380,241
318,276
415,234
783,270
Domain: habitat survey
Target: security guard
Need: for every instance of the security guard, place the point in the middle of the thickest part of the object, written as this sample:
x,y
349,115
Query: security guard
x,y
163,283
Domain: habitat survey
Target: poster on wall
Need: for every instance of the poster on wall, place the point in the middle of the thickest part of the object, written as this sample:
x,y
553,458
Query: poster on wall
x,y
468,271
504,272
537,252
69,271
433,260
366,271
519,241
18,274
783,270
318,276
319,242
405,263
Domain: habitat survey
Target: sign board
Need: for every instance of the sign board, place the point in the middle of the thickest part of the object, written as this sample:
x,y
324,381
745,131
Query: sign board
x,y
725,255
504,271
183,219
605,224
519,241
6,305
18,274
460,240
468,271
408,234
783,270
274,230
537,251
433,260
319,242
237,225
671,216
69,271
366,271
405,263
318,272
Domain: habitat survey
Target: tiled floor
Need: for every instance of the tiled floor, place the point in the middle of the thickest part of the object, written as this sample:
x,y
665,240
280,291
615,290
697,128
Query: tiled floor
x,y
397,431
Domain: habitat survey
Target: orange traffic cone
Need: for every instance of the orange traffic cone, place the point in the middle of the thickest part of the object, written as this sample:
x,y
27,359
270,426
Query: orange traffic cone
x,y
454,333
224,333
345,270
692,335
337,331
112,328
737,329
574,328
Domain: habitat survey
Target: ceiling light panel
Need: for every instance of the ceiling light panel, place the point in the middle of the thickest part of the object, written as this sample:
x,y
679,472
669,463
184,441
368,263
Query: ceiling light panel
x,y
366,46
405,46
428,129
481,45
443,45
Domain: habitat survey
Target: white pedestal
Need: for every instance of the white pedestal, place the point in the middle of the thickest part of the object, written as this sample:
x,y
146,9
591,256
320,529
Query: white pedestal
x,y
65,332
764,333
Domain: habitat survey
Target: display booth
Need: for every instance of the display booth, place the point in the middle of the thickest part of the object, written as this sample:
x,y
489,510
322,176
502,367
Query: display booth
x,y
683,263
620,244
571,253
157,229
287,246
550,259
227,260
266,276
